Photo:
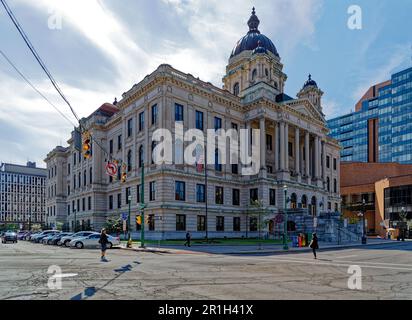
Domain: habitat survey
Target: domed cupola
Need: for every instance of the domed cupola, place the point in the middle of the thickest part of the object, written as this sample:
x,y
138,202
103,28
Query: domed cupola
x,y
310,82
311,92
259,49
251,40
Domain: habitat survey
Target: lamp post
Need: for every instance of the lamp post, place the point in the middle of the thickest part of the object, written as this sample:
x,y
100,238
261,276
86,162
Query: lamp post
x,y
142,207
285,235
364,238
129,237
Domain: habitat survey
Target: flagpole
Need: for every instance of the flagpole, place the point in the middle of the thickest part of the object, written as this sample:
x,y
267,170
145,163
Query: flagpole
x,y
207,233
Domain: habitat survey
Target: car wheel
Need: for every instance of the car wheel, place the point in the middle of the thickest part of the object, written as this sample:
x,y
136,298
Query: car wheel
x,y
79,245
109,245
66,243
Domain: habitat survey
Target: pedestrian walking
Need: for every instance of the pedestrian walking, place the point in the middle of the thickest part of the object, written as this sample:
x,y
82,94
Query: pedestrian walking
x,y
314,244
103,244
188,238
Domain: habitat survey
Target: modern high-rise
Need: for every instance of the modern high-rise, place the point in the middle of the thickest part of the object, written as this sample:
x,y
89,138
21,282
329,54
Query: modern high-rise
x,y
296,153
380,129
22,194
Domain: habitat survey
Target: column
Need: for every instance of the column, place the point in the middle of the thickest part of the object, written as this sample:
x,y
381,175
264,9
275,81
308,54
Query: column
x,y
297,151
286,154
262,127
323,161
307,164
282,147
316,173
276,150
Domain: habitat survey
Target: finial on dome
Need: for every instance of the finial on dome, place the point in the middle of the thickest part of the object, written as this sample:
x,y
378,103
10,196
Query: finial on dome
x,y
310,77
253,22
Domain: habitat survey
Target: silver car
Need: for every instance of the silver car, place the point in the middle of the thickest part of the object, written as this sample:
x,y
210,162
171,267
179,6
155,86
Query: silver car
x,y
65,241
92,241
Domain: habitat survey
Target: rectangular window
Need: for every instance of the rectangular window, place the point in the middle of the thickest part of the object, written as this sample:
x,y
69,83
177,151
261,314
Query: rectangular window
x,y
254,195
111,146
119,142
110,202
152,191
220,224
180,222
179,112
236,197
219,195
253,224
236,224
129,127
154,114
141,121
73,207
200,193
74,159
138,192
201,223
119,201
83,204
290,149
269,142
235,126
68,168
89,203
151,222
270,169
335,164
272,197
218,123
199,120
235,168
180,193
327,162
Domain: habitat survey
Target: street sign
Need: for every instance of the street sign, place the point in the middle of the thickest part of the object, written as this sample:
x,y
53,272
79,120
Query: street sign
x,y
111,169
125,216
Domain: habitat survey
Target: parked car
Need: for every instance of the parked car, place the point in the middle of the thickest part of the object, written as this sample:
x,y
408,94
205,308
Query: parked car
x,y
65,241
30,234
92,241
9,236
38,237
56,238
45,239
21,235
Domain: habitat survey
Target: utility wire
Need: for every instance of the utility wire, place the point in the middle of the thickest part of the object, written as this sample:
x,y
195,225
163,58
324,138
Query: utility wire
x,y
43,66
34,88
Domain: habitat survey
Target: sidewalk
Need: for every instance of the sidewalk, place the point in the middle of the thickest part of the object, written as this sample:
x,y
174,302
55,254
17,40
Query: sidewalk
x,y
254,249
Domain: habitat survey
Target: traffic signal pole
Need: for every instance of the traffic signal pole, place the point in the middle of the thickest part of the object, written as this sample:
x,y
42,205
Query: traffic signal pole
x,y
142,206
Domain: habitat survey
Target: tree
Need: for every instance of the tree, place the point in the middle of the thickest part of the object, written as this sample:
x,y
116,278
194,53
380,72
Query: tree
x,y
258,210
113,225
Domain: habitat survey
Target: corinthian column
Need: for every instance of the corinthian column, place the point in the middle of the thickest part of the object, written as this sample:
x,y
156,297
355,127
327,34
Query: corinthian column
x,y
282,147
286,154
297,153
262,127
307,156
276,151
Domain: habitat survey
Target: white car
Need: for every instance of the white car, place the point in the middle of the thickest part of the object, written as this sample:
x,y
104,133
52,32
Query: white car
x,y
92,241
64,241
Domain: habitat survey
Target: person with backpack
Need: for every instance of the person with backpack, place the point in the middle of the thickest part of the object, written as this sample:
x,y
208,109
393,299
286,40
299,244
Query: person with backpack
x,y
314,244
103,244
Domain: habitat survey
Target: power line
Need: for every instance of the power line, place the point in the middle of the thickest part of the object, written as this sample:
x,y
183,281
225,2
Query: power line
x,y
34,88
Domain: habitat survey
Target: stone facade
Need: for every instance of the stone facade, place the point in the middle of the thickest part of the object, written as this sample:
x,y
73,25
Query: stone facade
x,y
295,152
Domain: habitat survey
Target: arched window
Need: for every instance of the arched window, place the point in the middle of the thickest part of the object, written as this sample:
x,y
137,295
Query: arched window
x,y
328,184
313,206
254,74
293,201
304,201
236,89
129,161
141,156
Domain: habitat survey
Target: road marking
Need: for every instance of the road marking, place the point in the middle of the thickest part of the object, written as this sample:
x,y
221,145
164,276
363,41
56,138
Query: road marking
x,y
64,275
345,257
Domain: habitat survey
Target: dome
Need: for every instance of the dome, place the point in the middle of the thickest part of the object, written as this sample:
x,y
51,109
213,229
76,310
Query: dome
x,y
259,48
310,82
254,39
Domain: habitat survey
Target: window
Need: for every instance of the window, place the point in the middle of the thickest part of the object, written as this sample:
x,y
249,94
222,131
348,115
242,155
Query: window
x,y
119,142
269,142
68,190
119,200
327,162
328,184
91,175
68,209
200,193
84,178
73,207
178,112
218,166
272,197
141,156
236,89
304,201
129,127
236,224
220,223
80,180
152,193
83,204
180,222
270,169
254,195
110,202
334,164
89,203
335,186
290,149
180,193
141,121
201,223
127,195
151,222
154,114
218,123
253,224
254,74
138,192
68,168
235,126
219,195
129,161
199,120
236,197
235,168
74,159
111,146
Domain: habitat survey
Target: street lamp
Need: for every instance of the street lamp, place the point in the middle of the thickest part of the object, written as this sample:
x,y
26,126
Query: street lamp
x,y
364,238
129,241
285,235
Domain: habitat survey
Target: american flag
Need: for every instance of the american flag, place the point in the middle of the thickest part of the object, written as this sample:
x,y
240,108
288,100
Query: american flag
x,y
200,158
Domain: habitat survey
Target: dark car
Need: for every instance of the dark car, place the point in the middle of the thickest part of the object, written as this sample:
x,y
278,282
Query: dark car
x,y
9,236
56,238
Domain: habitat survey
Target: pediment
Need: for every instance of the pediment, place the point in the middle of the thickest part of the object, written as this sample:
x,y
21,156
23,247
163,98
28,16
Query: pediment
x,y
305,107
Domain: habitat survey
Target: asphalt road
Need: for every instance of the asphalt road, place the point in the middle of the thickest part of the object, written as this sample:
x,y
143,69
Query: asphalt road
x,y
386,274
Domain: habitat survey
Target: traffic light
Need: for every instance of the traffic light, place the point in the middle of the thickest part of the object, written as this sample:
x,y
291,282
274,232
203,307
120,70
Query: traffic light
x,y
139,220
87,146
124,174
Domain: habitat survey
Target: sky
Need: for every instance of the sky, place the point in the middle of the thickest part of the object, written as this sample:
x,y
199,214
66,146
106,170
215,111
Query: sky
x,y
98,49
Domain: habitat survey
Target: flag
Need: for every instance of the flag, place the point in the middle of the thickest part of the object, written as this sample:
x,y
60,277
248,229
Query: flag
x,y
200,158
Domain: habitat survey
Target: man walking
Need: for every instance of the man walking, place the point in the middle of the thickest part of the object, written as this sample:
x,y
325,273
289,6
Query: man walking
x,y
103,243
314,244
188,238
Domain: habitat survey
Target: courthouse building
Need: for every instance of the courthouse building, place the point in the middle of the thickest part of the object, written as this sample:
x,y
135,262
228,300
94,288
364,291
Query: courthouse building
x,y
295,152
22,194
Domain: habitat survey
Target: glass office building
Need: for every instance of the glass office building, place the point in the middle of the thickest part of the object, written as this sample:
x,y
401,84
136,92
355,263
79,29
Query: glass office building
x,y
380,130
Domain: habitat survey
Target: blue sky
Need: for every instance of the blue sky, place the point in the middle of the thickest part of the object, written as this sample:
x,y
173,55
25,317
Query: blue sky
x,y
106,46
